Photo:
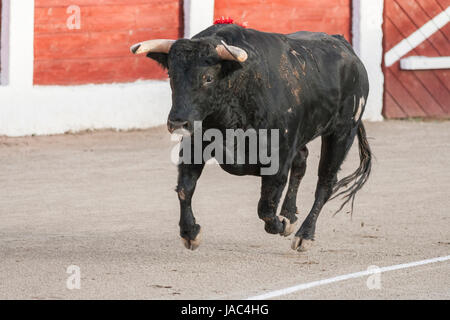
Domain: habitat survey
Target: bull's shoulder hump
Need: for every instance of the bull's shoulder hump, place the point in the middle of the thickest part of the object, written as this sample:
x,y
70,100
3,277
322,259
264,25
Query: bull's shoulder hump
x,y
317,37
320,40
307,35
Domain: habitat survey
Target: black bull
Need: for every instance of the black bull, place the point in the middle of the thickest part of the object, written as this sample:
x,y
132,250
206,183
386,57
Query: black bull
x,y
304,84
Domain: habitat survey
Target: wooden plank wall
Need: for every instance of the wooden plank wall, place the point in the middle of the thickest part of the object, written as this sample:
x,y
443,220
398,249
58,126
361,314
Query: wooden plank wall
x,y
99,51
286,16
416,93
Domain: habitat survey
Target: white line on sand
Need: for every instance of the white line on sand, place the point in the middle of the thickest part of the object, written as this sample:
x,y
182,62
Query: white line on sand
x,y
308,285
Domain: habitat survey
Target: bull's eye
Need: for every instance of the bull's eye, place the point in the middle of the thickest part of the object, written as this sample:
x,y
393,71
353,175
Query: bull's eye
x,y
207,79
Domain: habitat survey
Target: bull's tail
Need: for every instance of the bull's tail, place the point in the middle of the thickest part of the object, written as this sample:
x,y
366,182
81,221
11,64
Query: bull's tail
x,y
358,178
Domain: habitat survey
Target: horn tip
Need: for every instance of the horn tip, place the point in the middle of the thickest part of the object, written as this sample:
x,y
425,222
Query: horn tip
x,y
242,57
134,48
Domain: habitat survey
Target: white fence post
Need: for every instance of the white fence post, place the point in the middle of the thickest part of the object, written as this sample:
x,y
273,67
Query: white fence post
x,y
367,41
198,15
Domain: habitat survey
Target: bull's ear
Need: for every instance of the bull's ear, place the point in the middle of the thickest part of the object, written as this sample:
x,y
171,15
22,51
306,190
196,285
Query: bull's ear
x,y
159,57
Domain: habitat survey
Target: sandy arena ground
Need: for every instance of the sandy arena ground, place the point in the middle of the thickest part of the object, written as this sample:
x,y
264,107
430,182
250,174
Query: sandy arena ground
x,y
104,201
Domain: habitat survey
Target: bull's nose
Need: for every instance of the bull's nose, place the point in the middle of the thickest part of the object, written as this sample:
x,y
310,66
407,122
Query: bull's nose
x,y
174,125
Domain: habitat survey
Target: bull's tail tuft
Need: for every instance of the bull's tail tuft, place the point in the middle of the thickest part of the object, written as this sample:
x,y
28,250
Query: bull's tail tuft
x,y
358,178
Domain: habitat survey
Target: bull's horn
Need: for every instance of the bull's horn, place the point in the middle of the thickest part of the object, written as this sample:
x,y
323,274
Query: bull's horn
x,y
156,45
227,52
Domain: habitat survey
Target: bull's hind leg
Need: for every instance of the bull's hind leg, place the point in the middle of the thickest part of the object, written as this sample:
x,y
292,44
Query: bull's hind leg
x,y
298,169
188,175
334,149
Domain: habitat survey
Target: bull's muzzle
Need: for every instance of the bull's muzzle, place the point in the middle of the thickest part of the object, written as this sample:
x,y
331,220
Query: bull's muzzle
x,y
177,125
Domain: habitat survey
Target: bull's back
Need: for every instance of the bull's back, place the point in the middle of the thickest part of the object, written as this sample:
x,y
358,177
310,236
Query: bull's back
x,y
334,68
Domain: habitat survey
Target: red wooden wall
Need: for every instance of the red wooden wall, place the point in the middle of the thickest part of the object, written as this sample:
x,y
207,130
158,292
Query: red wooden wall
x,y
99,51
285,16
424,93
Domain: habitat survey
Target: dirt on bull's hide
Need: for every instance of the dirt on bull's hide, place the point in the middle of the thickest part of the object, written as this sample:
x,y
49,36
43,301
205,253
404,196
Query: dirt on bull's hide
x,y
284,67
300,61
287,71
181,194
238,83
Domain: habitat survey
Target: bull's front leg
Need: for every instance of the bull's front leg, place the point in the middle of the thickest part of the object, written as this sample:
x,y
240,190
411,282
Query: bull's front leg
x,y
271,190
190,231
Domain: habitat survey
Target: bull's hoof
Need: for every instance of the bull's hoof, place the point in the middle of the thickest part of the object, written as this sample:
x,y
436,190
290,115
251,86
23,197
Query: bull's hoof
x,y
288,226
193,244
301,244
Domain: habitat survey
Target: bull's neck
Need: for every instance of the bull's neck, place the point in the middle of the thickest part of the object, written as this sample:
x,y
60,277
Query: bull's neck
x,y
238,106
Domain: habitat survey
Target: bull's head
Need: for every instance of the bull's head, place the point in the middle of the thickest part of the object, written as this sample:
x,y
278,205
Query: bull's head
x,y
196,68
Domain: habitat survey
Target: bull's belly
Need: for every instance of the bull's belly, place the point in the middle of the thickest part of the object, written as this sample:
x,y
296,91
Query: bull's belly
x,y
242,169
